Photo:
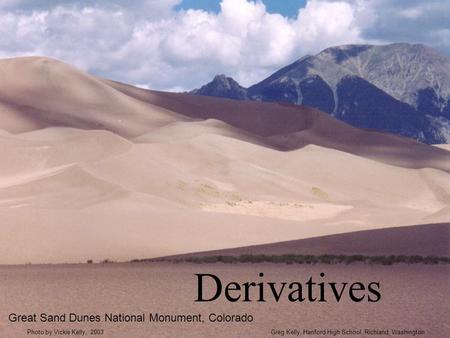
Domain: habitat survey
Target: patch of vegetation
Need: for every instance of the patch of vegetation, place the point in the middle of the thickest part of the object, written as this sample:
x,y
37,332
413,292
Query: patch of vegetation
x,y
319,192
309,259
209,190
235,197
181,185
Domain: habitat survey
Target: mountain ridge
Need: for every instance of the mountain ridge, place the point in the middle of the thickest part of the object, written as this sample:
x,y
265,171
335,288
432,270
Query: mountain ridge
x,y
410,81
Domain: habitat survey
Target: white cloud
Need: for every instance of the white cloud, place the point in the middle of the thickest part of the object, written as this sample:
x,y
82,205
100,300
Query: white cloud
x,y
324,24
414,21
149,43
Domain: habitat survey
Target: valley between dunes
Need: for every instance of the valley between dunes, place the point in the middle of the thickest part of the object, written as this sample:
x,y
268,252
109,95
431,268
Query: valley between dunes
x,y
95,169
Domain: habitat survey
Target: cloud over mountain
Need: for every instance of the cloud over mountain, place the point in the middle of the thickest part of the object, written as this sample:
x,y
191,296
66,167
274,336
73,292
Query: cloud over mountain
x,y
152,43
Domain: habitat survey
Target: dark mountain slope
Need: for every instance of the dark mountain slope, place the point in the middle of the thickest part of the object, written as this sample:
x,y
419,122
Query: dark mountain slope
x,y
400,88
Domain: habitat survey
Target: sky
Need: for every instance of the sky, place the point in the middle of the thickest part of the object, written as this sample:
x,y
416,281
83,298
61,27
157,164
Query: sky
x,y
288,8
179,45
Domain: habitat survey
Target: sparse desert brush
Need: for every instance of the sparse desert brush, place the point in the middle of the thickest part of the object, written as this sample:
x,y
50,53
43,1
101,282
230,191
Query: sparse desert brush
x,y
316,259
235,196
319,192
209,190
181,185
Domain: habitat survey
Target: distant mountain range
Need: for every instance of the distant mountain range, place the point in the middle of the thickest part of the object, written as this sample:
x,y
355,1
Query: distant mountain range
x,y
399,88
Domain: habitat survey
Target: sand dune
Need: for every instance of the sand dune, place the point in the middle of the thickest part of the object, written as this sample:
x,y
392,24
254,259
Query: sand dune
x,y
291,127
47,92
49,148
203,193
443,146
64,187
423,240
182,131
95,169
281,210
220,170
38,92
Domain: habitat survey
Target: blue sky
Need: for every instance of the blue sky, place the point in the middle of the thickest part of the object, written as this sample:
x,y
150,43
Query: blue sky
x,y
287,8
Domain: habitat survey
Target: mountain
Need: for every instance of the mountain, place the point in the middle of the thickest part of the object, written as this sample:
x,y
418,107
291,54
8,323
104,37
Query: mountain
x,y
222,86
399,88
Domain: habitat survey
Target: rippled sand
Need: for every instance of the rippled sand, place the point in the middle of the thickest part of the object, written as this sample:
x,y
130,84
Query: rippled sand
x,y
412,298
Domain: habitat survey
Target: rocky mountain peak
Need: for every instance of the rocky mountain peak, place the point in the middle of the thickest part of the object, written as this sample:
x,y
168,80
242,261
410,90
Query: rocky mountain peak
x,y
223,86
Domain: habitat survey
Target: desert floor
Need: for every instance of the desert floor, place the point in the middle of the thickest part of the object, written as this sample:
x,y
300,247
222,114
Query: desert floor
x,y
411,298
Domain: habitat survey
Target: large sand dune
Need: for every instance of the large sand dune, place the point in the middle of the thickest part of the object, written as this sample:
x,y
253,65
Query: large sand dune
x,y
291,127
95,169
423,240
47,92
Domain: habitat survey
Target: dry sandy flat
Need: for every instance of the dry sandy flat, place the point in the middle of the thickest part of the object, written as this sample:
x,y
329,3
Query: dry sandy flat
x,y
281,210
443,146
121,173
171,289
